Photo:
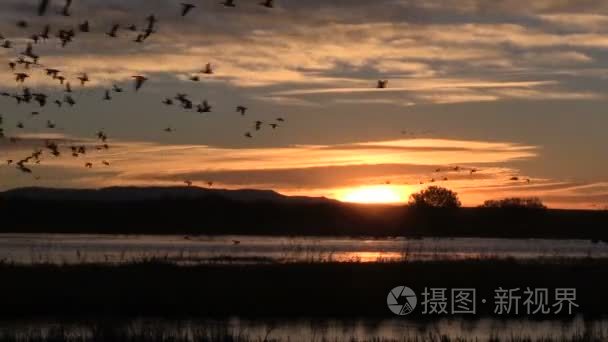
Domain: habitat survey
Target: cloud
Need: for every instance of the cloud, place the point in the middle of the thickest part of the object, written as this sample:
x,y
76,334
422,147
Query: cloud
x,y
318,61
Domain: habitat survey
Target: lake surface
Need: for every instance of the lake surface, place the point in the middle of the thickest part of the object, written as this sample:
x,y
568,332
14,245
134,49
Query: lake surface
x,y
76,248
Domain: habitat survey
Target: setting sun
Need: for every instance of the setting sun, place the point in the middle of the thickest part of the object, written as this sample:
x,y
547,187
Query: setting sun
x,y
373,194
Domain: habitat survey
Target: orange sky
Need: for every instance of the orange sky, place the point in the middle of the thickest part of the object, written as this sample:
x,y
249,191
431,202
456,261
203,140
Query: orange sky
x,y
510,89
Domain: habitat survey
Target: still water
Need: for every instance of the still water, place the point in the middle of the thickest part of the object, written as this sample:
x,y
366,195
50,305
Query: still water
x,y
60,248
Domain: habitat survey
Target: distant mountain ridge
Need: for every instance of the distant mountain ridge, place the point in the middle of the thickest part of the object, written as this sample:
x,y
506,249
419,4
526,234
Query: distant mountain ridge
x,y
132,193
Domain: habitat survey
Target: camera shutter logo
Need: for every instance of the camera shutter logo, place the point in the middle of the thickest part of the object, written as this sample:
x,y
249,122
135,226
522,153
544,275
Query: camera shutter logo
x,y
401,300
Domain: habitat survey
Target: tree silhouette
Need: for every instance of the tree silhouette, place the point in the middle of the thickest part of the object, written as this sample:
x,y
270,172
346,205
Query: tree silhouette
x,y
515,202
435,197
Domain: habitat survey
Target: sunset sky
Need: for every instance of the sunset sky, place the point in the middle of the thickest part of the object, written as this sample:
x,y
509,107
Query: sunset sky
x,y
510,88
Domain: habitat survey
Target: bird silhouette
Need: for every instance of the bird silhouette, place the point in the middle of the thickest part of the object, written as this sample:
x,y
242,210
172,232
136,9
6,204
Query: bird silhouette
x,y
208,69
117,89
204,107
382,84
84,78
43,5
267,3
139,81
45,32
88,165
113,31
258,125
54,73
241,109
21,77
228,3
151,19
248,135
69,100
186,8
66,8
188,182
84,27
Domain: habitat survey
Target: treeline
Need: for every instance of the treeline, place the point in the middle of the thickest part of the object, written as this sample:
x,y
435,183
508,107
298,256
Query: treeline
x,y
218,215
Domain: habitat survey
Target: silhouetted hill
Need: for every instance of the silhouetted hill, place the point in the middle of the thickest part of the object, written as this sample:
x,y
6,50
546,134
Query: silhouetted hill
x,y
149,193
185,210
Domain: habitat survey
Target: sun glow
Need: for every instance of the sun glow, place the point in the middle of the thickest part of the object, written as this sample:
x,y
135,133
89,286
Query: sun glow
x,y
374,194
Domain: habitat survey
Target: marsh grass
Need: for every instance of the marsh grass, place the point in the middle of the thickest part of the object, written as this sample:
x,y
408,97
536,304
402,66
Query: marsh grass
x,y
157,286
188,333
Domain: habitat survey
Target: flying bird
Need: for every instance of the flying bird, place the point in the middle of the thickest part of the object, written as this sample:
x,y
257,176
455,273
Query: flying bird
x,y
139,81
113,31
241,109
267,3
208,69
43,5
84,27
186,8
258,125
66,8
382,84
20,77
228,3
84,78
204,107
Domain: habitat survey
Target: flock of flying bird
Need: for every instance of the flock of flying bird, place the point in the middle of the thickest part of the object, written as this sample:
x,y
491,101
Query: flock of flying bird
x,y
27,61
